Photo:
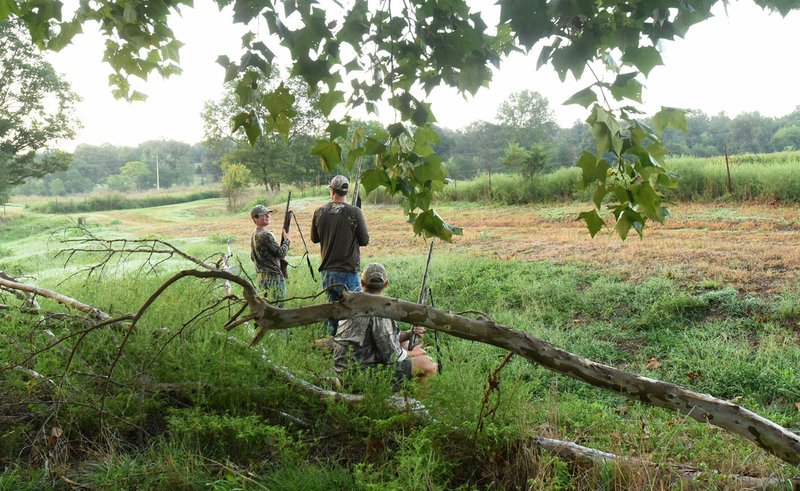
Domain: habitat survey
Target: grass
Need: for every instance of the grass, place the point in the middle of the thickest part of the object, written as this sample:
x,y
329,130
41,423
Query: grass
x,y
191,411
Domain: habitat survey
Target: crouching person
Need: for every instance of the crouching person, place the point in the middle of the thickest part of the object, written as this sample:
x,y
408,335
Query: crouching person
x,y
375,342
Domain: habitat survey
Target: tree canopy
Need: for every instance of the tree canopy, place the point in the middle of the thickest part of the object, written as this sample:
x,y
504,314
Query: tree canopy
x,y
36,107
364,53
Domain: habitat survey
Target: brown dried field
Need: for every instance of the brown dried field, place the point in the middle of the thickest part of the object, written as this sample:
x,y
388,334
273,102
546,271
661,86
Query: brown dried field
x,y
752,247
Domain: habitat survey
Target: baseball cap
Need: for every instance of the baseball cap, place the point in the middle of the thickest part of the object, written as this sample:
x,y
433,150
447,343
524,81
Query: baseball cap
x,y
259,210
339,183
374,274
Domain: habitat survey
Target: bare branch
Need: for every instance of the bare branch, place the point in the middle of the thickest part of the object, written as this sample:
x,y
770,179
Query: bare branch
x,y
93,312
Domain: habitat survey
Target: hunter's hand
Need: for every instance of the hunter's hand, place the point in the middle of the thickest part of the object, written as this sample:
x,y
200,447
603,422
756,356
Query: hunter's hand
x,y
417,351
418,330
286,235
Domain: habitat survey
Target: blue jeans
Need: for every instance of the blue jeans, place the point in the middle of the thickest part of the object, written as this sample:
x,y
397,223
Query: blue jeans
x,y
343,280
273,287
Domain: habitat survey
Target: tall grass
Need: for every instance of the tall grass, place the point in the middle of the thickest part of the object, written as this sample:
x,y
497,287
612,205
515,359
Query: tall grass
x,y
765,178
119,201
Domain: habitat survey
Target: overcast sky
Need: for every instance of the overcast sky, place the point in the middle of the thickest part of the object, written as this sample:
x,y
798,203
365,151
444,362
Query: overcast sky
x,y
740,62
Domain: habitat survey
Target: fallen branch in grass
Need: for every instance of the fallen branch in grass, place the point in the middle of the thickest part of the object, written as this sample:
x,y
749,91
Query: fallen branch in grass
x,y
93,312
576,453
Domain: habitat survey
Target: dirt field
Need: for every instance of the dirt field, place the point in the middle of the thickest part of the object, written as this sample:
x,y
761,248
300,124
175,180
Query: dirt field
x,y
755,248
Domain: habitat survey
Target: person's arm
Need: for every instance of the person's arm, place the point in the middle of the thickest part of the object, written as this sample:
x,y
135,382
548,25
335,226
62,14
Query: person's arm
x,y
314,229
270,245
361,229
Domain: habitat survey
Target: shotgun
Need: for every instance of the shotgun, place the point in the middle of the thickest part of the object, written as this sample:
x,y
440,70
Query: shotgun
x,y
356,198
287,222
413,340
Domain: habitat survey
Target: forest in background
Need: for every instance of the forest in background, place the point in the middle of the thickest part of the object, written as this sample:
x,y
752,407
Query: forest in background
x,y
479,148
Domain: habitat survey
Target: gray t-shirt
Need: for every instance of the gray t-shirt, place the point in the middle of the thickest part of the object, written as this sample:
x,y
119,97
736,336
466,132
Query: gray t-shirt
x,y
339,229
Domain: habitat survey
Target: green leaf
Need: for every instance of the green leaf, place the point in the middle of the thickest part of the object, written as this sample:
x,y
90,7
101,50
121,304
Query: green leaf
x,y
329,152
279,101
430,224
429,172
626,87
424,138
644,58
372,179
594,169
336,129
670,117
329,100
8,7
629,218
585,98
593,221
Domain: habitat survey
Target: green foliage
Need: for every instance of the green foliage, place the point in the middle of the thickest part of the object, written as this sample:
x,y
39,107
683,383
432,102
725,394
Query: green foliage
x,y
235,179
241,438
36,108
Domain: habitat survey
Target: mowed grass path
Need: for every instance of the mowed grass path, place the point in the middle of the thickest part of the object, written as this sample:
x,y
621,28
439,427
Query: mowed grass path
x,y
753,248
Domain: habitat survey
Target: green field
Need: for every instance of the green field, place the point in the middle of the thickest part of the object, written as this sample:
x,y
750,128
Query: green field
x,y
188,410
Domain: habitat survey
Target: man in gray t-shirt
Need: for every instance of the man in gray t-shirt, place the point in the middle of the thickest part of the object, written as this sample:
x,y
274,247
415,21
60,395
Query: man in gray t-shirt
x,y
376,342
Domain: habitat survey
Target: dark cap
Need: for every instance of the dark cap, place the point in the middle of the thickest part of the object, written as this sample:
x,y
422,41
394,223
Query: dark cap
x,y
259,210
340,183
374,275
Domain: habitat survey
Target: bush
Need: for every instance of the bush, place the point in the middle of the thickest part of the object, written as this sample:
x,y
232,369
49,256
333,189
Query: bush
x,y
118,201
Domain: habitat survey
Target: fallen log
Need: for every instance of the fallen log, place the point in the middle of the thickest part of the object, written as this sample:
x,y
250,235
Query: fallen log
x,y
93,312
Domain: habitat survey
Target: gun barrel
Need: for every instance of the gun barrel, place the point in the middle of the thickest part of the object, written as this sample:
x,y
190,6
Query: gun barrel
x,y
413,340
287,216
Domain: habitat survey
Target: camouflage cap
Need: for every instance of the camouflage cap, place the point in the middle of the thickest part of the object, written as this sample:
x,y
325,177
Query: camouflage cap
x,y
374,275
339,183
259,210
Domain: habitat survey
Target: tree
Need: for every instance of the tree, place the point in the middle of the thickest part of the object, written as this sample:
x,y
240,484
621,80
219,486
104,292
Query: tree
x,y
36,108
360,54
274,157
528,116
787,138
235,179
526,161
136,174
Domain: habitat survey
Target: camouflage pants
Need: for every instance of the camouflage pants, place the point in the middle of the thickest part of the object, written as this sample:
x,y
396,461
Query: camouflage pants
x,y
273,287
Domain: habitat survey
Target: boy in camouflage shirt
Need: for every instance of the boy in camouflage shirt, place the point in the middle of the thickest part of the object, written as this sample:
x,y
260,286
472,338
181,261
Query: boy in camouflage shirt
x,y
375,342
266,253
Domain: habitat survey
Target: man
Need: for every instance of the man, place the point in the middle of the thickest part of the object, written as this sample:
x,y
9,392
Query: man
x,y
376,342
267,254
339,229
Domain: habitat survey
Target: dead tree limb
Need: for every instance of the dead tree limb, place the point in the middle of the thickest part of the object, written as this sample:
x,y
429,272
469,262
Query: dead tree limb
x,y
578,453
93,312
701,407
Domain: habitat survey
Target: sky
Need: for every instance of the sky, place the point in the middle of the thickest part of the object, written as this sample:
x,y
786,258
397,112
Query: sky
x,y
737,62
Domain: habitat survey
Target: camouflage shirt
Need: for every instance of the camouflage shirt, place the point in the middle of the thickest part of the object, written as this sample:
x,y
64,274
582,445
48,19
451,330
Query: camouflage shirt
x,y
367,341
266,253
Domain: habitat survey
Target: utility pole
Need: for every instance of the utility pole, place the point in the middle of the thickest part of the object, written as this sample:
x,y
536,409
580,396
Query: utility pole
x,y
158,184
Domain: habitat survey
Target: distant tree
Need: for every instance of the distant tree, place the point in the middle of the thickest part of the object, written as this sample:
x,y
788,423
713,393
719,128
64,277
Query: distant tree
x,y
528,116
235,179
526,161
787,138
36,108
57,187
136,174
